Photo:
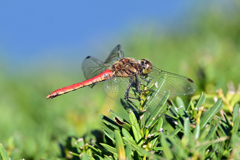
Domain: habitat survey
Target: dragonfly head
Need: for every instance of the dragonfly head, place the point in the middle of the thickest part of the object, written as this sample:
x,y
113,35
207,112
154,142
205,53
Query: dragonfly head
x,y
146,67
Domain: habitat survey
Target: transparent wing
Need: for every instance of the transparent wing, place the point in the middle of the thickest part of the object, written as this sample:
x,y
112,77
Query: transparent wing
x,y
176,84
115,55
116,87
92,67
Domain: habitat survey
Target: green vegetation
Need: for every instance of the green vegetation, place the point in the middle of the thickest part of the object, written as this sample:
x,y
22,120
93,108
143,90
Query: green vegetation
x,y
207,51
196,133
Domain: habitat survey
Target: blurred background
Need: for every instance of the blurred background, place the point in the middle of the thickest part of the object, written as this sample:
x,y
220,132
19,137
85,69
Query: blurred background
x,y
42,46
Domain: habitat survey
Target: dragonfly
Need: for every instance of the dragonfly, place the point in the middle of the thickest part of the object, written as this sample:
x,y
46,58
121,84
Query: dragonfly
x,y
122,74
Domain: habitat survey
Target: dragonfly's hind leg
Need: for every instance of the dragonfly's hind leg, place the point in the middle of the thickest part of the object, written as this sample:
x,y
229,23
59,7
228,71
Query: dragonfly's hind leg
x,y
126,95
137,86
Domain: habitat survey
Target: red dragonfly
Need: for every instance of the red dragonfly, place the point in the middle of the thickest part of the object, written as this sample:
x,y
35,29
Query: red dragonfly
x,y
122,73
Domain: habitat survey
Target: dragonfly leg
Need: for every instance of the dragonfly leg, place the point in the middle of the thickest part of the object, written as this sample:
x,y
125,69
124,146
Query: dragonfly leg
x,y
145,79
137,84
126,95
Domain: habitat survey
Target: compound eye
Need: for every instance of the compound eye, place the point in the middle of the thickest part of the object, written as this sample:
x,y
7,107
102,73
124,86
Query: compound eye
x,y
146,66
148,63
143,62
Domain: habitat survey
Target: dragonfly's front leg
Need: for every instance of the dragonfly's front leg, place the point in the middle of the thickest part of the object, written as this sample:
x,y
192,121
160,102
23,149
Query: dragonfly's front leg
x,y
148,81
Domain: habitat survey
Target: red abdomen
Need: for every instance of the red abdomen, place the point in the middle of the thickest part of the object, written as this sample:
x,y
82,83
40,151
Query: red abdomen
x,y
107,74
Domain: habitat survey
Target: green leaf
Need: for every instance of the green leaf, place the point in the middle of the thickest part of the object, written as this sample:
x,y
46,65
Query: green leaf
x,y
187,128
96,150
212,131
166,147
197,131
158,127
190,106
159,111
236,125
110,149
135,126
127,135
3,153
229,125
204,133
181,106
175,132
118,116
180,102
79,143
137,135
223,129
119,145
99,157
109,136
201,100
140,150
208,116
235,111
128,152
178,148
154,98
85,157
109,122
174,110
108,158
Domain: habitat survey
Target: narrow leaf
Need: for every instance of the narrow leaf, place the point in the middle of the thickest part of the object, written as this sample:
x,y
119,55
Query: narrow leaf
x,y
212,132
197,131
122,123
229,125
96,150
127,135
118,116
108,158
137,135
166,147
154,98
208,116
99,157
235,111
158,127
85,156
201,100
128,152
236,125
175,132
159,110
187,129
141,150
135,126
109,136
110,149
180,106
3,153
178,148
109,122
119,145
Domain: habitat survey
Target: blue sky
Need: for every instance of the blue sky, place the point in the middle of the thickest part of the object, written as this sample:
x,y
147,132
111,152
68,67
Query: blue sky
x,y
32,29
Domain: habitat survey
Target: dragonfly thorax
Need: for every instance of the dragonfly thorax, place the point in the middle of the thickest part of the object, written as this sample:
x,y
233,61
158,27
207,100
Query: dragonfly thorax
x,y
146,67
126,67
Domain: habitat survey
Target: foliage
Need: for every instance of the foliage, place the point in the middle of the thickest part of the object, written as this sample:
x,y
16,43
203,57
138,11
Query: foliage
x,y
197,133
